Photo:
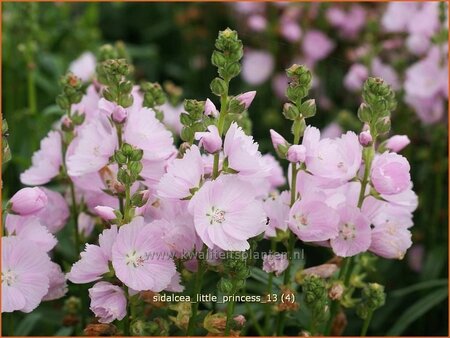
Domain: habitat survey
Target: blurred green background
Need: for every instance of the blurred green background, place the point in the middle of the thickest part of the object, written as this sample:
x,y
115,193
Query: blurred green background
x,y
174,42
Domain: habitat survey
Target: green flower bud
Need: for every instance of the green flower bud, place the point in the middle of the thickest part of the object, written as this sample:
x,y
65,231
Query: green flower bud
x,y
136,154
290,111
235,106
218,86
225,286
135,168
218,59
308,108
364,113
187,134
185,119
373,297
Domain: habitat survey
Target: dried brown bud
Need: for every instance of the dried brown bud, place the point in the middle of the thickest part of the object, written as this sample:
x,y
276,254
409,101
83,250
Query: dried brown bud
x,y
336,291
100,330
339,324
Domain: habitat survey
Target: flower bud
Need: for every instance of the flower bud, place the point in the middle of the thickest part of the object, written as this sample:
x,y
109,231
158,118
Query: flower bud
x,y
246,98
296,153
119,114
397,142
106,213
210,141
277,139
336,291
210,108
28,201
365,138
239,320
95,330
215,323
218,86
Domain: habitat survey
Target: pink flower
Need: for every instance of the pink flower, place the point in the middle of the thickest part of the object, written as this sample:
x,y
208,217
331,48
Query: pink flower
x,y
354,232
276,263
418,44
94,259
335,160
386,72
111,109
355,77
57,283
277,209
416,257
30,228
144,131
316,45
107,213
210,140
390,173
175,284
312,220
28,201
397,142
210,108
84,66
172,117
277,139
108,302
332,130
390,240
276,177
226,213
178,182
243,154
365,138
91,149
140,259
85,224
178,233
397,16
55,214
349,23
290,30
279,85
257,23
25,270
246,98
46,162
257,66
296,153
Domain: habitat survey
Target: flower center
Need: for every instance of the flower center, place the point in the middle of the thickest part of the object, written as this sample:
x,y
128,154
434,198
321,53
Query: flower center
x,y
347,231
134,259
301,220
216,216
9,277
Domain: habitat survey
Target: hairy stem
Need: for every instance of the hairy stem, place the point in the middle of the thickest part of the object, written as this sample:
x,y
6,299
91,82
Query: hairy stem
x,y
230,310
196,291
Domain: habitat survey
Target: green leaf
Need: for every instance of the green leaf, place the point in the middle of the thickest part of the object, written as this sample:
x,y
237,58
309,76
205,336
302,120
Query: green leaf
x,y
27,324
64,331
418,287
417,310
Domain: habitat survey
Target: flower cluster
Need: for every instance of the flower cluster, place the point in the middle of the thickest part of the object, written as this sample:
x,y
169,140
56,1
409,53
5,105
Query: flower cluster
x,y
140,206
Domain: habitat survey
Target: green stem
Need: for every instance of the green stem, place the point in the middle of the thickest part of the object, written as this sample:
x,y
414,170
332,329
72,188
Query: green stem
x,y
254,321
335,304
220,126
75,218
230,310
196,291
32,102
366,324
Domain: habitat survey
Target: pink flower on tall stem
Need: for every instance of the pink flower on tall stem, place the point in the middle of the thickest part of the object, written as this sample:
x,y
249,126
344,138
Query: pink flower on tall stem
x,y
141,260
108,302
28,201
25,269
46,162
227,214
